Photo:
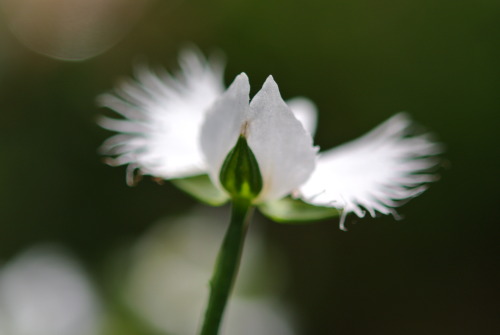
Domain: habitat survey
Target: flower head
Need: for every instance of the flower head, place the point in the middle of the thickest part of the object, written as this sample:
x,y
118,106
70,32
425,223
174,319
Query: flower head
x,y
187,125
283,149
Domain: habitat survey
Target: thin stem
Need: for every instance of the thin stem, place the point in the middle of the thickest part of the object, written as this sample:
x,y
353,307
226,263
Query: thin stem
x,y
226,267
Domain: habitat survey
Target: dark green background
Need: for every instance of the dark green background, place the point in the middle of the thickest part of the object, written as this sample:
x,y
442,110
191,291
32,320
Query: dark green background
x,y
436,272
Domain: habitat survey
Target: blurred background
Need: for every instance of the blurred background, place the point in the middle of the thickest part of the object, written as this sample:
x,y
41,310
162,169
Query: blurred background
x,y
70,225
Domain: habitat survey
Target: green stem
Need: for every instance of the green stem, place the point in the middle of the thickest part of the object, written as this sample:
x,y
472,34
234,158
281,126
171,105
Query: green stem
x,y
226,267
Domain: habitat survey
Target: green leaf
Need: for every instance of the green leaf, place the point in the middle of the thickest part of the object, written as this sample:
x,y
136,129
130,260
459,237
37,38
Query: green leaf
x,y
201,188
288,210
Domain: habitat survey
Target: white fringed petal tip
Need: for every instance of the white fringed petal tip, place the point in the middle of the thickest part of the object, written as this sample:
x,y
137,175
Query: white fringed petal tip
x,y
375,172
162,118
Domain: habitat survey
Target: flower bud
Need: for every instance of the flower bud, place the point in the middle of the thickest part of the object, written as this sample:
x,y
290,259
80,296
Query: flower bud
x,y
240,173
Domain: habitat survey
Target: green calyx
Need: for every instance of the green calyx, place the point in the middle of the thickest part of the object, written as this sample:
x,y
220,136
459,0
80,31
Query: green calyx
x,y
240,173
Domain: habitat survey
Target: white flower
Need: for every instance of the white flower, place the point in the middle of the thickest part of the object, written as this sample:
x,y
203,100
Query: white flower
x,y
185,125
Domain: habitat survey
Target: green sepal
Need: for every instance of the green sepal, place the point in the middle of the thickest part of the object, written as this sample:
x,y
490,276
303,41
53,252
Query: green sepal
x,y
201,188
240,174
288,210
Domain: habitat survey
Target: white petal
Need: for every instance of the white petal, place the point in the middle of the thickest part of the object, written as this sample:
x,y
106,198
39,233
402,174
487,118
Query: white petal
x,y
284,150
163,117
305,111
371,172
222,125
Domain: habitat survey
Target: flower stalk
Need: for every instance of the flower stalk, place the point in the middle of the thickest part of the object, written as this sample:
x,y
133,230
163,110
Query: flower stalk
x,y
226,266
